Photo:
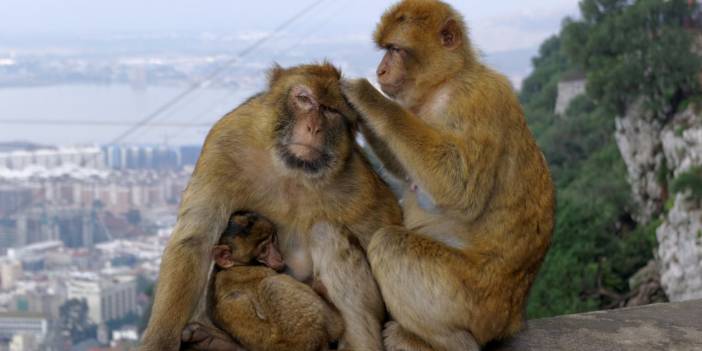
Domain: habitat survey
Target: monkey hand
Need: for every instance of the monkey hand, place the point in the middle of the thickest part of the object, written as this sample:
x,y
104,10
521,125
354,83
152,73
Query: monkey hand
x,y
197,337
373,107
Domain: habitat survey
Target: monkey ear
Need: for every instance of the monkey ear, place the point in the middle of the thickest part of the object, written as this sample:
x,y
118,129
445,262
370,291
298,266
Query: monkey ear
x,y
451,34
275,73
223,256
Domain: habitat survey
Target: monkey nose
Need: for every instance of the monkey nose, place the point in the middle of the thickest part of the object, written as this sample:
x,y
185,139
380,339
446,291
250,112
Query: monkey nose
x,y
381,72
313,128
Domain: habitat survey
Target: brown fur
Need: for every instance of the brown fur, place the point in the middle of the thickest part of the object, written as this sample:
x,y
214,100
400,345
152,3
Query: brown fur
x,y
457,274
265,310
241,168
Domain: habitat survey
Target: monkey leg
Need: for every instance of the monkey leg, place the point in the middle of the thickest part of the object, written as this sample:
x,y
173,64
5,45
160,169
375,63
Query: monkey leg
x,y
397,338
419,280
344,271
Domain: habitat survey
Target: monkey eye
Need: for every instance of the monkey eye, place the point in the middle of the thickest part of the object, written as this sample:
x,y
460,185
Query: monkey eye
x,y
330,112
304,99
395,49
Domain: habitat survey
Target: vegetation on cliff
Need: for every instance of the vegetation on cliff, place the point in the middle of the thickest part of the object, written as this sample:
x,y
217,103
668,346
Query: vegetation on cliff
x,y
627,50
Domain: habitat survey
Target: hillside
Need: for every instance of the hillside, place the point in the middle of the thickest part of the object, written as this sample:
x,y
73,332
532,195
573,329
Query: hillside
x,y
624,155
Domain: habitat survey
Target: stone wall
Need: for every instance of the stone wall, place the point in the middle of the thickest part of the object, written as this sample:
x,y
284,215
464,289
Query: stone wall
x,y
567,91
660,327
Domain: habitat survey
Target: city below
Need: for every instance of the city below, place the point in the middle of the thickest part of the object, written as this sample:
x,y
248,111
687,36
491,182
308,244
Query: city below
x,y
82,229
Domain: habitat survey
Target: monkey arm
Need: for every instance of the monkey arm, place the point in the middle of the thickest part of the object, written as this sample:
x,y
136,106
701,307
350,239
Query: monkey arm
x,y
186,264
345,273
457,171
381,150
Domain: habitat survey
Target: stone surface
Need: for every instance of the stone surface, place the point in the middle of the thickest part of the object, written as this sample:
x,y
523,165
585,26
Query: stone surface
x,y
680,235
660,327
638,137
681,140
680,251
650,151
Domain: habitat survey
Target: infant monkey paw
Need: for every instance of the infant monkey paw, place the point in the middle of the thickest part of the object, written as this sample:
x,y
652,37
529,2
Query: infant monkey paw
x,y
200,338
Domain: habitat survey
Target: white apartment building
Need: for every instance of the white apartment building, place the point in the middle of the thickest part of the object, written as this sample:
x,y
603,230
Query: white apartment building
x,y
10,273
24,342
90,157
108,298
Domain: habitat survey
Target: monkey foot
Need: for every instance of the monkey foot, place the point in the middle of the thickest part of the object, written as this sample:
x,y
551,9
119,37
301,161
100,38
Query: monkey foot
x,y
199,338
398,339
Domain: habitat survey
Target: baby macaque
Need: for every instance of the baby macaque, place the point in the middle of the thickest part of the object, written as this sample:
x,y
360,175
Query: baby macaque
x,y
261,308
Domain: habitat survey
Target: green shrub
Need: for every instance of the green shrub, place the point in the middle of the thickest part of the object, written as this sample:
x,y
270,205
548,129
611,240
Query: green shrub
x,y
691,181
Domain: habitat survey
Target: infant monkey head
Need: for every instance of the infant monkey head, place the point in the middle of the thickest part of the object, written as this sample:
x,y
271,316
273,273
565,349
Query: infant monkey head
x,y
248,240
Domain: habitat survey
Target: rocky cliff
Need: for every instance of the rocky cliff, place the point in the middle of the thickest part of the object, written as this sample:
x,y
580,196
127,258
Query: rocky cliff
x,y
655,155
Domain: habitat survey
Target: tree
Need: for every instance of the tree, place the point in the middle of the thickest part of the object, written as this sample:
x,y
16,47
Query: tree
x,y
632,51
74,321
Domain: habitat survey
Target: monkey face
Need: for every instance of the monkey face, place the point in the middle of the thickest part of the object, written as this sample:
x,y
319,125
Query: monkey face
x,y
392,70
248,239
424,45
314,134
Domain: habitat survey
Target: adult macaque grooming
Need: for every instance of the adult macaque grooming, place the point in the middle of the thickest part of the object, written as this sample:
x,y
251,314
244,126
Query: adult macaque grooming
x,y
479,205
265,310
289,155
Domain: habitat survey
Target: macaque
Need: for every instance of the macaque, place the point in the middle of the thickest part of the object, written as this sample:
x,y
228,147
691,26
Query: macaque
x,y
288,154
262,309
479,202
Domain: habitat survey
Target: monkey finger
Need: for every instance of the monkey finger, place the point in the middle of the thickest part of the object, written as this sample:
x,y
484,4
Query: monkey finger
x,y
351,88
356,93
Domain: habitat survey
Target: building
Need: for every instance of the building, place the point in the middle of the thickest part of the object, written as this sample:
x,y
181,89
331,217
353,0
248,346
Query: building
x,y
14,198
53,157
75,227
568,90
10,273
161,158
24,342
108,298
21,323
44,301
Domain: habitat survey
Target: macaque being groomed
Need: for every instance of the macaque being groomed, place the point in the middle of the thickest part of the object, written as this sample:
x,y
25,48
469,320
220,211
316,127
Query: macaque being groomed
x,y
479,206
262,309
288,154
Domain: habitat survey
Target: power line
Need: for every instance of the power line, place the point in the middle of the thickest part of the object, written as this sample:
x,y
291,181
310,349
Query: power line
x,y
78,122
197,85
315,27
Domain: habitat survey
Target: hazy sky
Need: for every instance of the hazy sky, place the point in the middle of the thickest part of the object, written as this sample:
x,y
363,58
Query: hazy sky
x,y
507,32
496,25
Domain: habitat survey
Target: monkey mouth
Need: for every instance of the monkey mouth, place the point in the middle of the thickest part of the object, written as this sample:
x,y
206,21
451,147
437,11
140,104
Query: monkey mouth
x,y
290,152
304,151
391,90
